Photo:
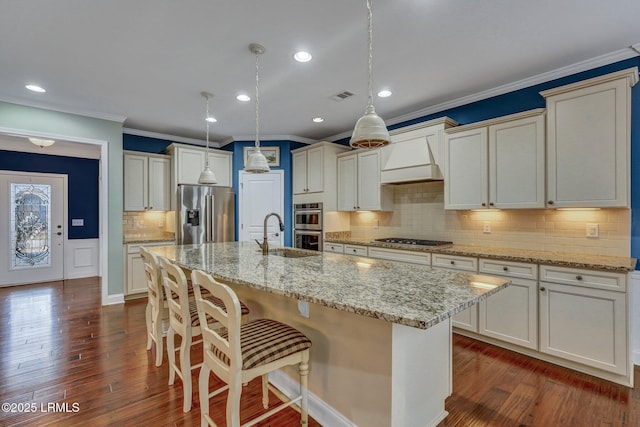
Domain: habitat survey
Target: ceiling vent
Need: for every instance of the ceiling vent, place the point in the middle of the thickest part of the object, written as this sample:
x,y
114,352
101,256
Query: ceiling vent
x,y
342,95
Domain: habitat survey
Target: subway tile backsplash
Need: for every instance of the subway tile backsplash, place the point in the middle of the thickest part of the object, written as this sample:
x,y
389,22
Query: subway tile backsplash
x,y
148,224
419,213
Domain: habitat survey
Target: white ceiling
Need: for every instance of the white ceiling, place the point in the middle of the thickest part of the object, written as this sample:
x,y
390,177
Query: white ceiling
x,y
148,60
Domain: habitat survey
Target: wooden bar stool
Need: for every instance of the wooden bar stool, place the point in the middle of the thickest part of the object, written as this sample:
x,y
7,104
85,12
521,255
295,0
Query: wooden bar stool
x,y
184,321
239,352
157,312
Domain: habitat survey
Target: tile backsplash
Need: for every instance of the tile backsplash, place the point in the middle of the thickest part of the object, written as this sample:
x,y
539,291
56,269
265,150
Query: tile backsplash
x,y
419,213
149,224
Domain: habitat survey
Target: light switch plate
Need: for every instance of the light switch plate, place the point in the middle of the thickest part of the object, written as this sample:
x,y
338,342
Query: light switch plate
x,y
593,230
77,222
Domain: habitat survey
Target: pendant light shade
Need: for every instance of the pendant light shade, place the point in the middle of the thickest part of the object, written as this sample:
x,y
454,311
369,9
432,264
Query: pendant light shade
x,y
370,130
207,177
257,162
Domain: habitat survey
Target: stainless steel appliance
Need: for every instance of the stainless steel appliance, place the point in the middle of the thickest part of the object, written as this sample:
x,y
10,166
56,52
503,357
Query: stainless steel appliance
x,y
307,231
206,214
413,242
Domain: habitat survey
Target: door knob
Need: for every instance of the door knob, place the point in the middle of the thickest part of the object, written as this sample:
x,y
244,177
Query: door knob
x,y
59,233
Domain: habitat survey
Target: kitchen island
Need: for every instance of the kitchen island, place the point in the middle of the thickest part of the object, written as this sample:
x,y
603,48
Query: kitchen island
x,y
381,330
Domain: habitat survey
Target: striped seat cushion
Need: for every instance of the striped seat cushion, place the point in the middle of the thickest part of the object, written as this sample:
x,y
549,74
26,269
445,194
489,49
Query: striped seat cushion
x,y
265,340
193,309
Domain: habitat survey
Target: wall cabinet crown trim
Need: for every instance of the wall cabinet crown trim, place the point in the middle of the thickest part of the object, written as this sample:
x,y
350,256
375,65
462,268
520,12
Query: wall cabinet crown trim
x,y
631,74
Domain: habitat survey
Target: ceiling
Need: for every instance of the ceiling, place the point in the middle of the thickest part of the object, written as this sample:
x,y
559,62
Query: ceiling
x,y
148,60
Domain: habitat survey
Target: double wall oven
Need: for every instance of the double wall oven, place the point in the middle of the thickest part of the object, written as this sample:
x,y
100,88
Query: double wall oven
x,y
308,226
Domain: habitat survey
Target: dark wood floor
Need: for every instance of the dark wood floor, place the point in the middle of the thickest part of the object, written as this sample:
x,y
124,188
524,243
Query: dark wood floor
x,y
58,346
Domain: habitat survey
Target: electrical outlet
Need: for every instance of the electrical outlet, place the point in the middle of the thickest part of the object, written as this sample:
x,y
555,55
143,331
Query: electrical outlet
x,y
486,227
303,308
593,230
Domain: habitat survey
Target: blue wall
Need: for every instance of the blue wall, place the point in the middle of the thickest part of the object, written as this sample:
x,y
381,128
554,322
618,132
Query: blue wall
x,y
144,144
82,185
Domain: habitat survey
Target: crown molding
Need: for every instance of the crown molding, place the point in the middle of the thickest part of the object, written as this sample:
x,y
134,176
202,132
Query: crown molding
x,y
589,64
172,138
43,106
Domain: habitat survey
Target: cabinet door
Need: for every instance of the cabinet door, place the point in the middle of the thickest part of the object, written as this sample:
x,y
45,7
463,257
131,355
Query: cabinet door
x,y
220,164
300,172
136,279
315,170
190,165
466,319
348,183
369,181
516,164
512,314
584,325
159,184
135,182
465,184
588,146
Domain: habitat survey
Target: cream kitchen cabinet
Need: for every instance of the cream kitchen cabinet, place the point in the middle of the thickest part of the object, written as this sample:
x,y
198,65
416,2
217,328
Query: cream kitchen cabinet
x,y
497,163
135,280
357,250
334,247
359,186
147,180
588,141
314,174
511,315
466,319
583,317
413,257
188,163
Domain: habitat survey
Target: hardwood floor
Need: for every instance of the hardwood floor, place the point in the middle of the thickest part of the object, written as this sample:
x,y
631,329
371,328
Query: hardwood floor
x,y
58,346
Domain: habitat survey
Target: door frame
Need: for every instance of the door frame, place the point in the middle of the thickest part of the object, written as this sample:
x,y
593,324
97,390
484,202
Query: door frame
x,y
103,267
65,205
240,190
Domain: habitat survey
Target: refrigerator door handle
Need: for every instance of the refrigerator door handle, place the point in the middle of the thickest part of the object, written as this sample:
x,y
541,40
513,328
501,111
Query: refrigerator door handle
x,y
209,218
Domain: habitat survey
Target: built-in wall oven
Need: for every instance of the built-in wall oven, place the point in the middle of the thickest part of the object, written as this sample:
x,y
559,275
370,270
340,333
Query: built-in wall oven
x,y
308,226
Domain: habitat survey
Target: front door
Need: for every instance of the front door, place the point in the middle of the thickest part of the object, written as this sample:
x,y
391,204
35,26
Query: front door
x,y
31,227
261,194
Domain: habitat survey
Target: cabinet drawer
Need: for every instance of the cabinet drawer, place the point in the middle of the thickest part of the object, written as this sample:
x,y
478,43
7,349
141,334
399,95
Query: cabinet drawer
x,y
355,250
521,270
587,278
455,262
334,247
423,258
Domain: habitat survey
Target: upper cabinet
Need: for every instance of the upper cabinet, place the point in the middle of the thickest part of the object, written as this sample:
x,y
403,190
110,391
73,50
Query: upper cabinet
x,y
416,153
314,174
497,163
147,180
189,161
588,141
359,185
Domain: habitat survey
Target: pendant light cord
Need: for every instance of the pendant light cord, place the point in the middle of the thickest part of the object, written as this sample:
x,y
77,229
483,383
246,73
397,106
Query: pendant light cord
x,y
206,119
257,101
370,16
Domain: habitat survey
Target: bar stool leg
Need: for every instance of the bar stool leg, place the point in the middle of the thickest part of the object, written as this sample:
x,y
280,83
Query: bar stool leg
x,y
185,368
203,391
265,391
171,355
233,403
304,392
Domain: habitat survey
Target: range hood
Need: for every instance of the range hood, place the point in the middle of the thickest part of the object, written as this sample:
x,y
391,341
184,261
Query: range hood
x,y
415,153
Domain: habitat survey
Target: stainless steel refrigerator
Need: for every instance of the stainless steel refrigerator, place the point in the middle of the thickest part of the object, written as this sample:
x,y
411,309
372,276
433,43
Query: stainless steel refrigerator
x,y
207,214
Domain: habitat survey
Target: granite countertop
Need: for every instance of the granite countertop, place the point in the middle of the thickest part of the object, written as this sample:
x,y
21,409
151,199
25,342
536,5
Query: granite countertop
x,y
564,259
416,296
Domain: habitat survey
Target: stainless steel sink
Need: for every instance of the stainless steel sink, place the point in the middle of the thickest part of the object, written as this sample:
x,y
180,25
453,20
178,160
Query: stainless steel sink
x,y
292,253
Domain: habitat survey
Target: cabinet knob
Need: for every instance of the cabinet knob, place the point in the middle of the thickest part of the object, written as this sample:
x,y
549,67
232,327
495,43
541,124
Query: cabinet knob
x,y
452,262
542,289
578,277
490,203
354,250
550,202
484,204
505,268
354,207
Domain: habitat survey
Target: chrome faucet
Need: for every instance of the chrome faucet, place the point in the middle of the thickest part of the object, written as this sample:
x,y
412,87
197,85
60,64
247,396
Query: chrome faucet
x,y
265,244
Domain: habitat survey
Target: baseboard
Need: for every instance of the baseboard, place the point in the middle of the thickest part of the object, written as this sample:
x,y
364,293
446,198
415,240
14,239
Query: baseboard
x,y
113,299
319,410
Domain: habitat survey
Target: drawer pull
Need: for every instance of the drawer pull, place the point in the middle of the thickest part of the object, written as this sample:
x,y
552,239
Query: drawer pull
x,y
505,268
578,277
453,262
543,289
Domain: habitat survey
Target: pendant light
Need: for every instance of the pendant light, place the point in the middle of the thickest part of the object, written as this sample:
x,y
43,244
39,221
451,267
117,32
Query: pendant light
x,y
257,162
207,177
370,130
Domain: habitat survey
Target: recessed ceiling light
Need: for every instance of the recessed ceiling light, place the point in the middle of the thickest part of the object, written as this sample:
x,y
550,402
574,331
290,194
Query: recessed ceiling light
x,y
243,97
211,119
302,56
384,93
318,120
35,88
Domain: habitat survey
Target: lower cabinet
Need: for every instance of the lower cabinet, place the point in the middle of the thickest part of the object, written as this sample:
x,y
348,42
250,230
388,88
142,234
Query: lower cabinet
x,y
355,250
135,280
334,247
584,325
413,257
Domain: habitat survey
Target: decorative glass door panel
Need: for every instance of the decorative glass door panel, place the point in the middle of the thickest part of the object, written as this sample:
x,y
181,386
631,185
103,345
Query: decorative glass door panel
x,y
30,225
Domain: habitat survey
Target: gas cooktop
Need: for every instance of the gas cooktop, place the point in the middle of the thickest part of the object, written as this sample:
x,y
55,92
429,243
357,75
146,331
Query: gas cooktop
x,y
416,242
